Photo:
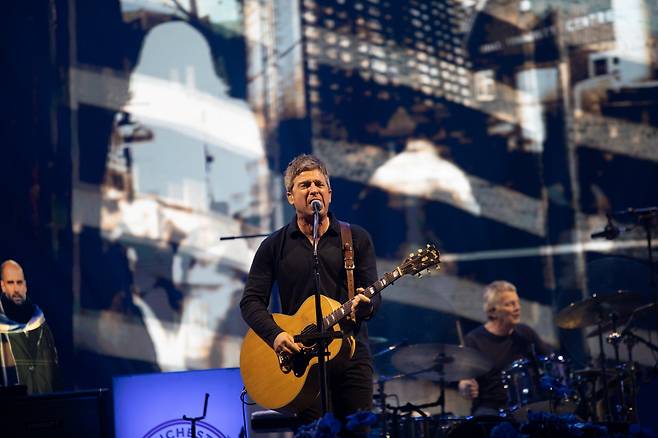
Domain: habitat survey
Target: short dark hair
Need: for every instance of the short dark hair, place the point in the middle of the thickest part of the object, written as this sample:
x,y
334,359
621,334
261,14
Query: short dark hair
x,y
302,163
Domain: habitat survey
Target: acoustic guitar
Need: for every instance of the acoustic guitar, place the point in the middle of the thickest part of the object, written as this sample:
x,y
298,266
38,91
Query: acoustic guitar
x,y
290,383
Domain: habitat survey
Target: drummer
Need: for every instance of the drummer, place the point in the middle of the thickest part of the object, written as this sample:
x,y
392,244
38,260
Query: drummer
x,y
502,339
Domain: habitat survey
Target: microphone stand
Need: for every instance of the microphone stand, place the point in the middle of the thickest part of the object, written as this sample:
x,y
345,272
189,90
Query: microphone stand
x,y
244,236
322,342
322,337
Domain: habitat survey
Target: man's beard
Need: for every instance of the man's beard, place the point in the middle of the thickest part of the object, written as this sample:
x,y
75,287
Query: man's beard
x,y
20,313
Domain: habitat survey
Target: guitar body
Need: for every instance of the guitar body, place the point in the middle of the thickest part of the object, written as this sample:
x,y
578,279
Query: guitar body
x,y
292,391
261,373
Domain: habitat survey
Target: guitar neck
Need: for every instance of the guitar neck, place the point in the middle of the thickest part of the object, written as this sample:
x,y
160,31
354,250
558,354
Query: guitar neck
x,y
343,311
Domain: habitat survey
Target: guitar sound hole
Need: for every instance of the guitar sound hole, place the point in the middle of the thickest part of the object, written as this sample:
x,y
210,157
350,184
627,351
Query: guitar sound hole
x,y
309,330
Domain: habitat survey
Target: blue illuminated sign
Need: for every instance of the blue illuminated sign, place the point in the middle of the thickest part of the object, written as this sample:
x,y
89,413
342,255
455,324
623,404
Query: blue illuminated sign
x,y
153,405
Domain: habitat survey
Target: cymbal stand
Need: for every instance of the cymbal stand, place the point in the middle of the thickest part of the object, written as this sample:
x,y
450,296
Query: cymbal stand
x,y
639,340
442,383
647,218
381,382
442,359
604,373
381,395
622,407
383,406
630,342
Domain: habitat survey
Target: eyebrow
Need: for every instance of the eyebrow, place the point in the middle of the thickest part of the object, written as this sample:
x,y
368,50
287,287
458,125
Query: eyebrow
x,y
307,181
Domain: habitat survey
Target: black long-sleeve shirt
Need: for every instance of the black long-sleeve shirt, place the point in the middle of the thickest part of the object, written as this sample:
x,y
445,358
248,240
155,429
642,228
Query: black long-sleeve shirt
x,y
286,257
502,351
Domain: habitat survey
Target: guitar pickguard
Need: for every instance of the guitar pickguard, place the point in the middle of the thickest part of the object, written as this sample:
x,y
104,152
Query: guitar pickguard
x,y
298,362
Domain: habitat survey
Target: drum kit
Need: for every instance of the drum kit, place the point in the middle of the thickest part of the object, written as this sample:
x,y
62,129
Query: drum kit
x,y
543,384
608,393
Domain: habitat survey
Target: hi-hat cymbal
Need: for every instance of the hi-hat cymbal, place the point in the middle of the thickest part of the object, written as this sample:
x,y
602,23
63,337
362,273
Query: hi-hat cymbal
x,y
440,361
599,309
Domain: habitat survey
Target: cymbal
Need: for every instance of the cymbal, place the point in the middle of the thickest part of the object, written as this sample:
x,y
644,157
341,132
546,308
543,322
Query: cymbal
x,y
440,361
599,308
636,319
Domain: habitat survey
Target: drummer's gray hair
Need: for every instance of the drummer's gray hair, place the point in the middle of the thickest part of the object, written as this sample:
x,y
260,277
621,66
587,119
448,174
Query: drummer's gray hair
x,y
492,293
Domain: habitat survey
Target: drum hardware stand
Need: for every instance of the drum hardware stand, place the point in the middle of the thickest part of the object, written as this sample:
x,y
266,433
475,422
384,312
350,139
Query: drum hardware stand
x,y
622,408
381,383
442,383
604,371
441,401
381,396
631,339
646,217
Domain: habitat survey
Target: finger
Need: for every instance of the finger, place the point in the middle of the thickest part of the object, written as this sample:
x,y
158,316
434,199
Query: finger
x,y
291,346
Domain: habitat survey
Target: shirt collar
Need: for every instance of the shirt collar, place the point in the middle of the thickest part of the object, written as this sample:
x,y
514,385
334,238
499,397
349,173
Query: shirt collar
x,y
334,226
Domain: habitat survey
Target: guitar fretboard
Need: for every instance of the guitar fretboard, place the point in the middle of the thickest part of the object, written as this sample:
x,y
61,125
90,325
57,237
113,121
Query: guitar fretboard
x,y
337,315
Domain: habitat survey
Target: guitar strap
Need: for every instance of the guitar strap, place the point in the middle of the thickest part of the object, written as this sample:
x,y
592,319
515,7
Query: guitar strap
x,y
348,259
348,256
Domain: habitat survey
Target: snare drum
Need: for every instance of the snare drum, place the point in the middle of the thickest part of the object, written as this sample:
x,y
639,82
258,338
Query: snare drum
x,y
544,386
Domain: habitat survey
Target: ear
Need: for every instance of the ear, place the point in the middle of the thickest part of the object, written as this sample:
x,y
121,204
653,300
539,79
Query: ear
x,y
291,200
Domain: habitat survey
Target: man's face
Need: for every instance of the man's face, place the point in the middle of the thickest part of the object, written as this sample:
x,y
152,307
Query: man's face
x,y
13,284
307,186
508,309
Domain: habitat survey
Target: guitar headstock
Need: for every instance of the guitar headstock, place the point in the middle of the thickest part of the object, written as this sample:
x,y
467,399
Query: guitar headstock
x,y
420,260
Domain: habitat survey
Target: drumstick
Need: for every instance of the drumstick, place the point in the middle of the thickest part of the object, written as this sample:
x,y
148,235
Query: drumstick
x,y
460,334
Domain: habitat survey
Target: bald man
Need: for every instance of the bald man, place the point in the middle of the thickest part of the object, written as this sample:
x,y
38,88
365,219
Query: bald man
x,y
27,354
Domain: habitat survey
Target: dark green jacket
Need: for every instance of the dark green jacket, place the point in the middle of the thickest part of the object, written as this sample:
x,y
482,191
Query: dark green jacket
x,y
36,359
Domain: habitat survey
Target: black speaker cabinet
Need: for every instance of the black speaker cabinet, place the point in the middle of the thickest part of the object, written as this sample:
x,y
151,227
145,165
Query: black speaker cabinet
x,y
62,414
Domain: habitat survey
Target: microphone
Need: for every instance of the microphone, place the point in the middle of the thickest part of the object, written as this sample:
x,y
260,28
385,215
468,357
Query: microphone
x,y
316,205
610,232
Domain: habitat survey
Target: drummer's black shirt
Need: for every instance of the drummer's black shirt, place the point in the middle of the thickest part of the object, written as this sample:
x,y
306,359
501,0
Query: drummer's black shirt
x,y
502,351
